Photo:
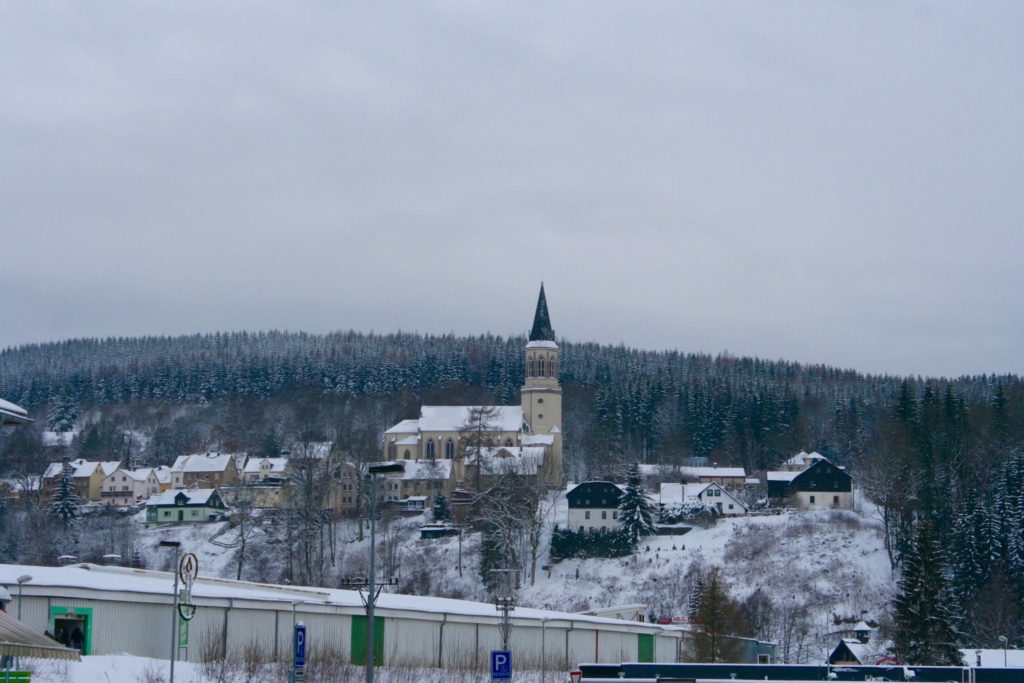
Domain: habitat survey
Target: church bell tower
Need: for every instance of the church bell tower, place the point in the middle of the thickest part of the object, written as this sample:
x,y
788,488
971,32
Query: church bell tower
x,y
541,395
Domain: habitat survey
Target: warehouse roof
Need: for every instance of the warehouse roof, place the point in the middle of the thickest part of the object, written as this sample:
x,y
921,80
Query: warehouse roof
x,y
114,580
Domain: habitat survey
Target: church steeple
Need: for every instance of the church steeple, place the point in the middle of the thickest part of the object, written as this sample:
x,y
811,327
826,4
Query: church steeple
x,y
541,320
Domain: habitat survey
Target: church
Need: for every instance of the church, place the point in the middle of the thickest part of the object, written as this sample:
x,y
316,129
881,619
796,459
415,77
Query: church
x,y
526,438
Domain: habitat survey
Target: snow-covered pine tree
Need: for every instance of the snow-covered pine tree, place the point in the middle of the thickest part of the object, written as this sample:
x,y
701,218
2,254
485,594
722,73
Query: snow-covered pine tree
x,y
927,612
64,501
62,415
636,511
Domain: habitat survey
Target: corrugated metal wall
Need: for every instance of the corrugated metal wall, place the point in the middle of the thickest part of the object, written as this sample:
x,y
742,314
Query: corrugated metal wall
x,y
143,627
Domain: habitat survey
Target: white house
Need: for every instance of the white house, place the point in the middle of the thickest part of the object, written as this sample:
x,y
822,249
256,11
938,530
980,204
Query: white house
x,y
593,506
262,469
715,496
125,487
709,495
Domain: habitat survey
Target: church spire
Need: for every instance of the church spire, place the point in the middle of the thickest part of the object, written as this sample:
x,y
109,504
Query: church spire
x,y
541,321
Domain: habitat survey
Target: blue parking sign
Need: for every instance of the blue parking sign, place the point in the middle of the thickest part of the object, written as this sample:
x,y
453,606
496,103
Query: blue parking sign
x,y
299,663
501,665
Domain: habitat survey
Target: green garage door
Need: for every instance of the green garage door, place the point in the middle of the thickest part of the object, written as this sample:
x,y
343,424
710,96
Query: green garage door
x,y
359,640
644,647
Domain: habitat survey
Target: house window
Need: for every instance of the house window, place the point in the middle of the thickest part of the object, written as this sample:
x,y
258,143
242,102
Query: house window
x,y
195,513
586,515
835,500
730,506
615,514
604,514
449,449
581,529
812,500
540,416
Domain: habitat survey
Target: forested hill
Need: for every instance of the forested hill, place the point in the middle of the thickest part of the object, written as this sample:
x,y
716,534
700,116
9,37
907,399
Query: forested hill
x,y
622,404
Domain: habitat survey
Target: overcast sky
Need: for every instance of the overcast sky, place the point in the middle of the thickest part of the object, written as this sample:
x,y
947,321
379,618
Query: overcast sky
x,y
839,183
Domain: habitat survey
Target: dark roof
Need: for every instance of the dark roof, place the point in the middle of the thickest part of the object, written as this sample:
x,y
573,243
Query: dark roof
x,y
541,320
594,494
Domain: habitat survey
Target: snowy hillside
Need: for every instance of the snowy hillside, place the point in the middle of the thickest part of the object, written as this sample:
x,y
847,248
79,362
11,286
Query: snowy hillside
x,y
808,565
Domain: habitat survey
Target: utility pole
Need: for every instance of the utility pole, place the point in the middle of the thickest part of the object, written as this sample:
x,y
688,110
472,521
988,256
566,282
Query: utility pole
x,y
506,604
373,588
174,601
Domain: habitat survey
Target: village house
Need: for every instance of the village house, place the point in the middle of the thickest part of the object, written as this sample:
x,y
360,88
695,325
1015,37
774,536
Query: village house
x,y
820,485
205,470
191,506
124,487
594,505
86,478
711,496
263,470
729,477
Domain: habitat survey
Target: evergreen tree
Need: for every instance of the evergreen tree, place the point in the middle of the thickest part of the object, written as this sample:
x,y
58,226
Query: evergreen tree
x,y
64,501
718,616
62,415
636,511
926,610
441,510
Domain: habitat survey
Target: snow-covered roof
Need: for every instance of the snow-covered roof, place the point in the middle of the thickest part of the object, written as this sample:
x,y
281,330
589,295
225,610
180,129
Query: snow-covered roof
x,y
724,472
13,414
203,462
803,459
781,476
408,441
255,465
537,440
858,650
541,344
405,427
425,469
195,496
455,418
141,474
82,468
121,580
523,460
163,474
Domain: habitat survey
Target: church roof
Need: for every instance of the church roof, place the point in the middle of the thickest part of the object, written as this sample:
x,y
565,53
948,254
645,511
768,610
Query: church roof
x,y
542,330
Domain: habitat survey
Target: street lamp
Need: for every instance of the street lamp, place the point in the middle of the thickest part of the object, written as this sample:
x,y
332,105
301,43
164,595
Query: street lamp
x,y
174,602
1003,640
22,580
371,598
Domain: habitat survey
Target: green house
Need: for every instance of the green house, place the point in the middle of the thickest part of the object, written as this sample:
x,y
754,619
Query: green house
x,y
184,506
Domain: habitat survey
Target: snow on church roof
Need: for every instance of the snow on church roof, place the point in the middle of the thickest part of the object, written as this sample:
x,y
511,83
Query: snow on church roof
x,y
405,427
455,418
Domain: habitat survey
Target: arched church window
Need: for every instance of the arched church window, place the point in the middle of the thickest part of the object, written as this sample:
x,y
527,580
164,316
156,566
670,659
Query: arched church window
x,y
391,450
508,442
529,366
540,368
431,450
551,365
406,454
449,449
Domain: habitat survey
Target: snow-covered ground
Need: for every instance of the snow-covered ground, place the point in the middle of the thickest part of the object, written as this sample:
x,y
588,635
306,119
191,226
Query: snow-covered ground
x,y
130,669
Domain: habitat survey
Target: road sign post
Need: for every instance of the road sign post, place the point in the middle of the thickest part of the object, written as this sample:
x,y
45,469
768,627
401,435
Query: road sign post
x,y
501,665
299,652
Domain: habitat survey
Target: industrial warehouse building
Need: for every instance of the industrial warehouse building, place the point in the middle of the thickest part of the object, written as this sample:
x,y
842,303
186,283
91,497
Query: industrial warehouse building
x,y
129,610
